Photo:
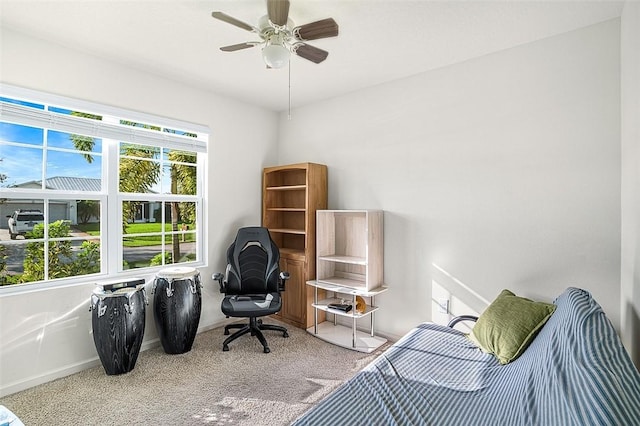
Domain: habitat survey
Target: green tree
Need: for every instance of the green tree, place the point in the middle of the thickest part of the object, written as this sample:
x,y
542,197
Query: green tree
x,y
138,173
183,181
135,175
62,262
85,143
59,252
87,260
88,209
157,259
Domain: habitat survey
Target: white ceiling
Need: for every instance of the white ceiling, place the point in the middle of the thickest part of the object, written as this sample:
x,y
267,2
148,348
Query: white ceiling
x,y
379,40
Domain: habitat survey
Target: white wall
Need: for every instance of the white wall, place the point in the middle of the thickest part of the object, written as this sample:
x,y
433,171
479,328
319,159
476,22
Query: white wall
x,y
630,263
46,334
504,171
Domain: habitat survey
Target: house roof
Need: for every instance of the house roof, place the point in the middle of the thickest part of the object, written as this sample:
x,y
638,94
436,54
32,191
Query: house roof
x,y
64,183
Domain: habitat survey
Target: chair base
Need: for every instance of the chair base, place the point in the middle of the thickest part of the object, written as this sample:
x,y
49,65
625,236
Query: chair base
x,y
254,327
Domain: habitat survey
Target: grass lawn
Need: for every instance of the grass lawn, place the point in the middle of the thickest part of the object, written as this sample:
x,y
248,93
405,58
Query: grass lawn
x,y
141,228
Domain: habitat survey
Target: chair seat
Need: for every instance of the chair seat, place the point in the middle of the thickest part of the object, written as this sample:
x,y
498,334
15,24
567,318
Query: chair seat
x,y
251,305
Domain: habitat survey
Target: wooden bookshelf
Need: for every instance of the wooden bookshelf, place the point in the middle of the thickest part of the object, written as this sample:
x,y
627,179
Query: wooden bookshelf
x,y
291,195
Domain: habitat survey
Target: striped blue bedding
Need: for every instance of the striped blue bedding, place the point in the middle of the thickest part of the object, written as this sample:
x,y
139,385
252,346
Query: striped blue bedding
x,y
576,372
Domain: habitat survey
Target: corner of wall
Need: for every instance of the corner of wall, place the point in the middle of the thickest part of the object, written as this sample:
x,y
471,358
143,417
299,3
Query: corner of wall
x,y
630,179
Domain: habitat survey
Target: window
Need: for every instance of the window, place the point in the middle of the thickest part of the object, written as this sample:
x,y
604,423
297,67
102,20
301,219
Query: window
x,y
88,190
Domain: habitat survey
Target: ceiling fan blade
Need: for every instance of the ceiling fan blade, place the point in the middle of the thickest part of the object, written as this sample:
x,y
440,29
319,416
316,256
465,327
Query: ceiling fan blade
x,y
238,46
233,21
278,11
311,53
315,30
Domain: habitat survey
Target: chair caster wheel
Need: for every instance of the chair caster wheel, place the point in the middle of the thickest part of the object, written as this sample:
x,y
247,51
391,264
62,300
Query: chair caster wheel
x,y
285,334
226,332
225,348
267,350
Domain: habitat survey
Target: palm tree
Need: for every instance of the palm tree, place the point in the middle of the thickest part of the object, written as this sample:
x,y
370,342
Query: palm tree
x,y
183,181
138,174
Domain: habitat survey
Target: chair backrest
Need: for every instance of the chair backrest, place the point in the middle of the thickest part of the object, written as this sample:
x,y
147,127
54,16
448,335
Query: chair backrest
x,y
253,263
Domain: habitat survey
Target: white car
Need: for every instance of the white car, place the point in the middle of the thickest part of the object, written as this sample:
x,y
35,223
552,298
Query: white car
x,y
23,221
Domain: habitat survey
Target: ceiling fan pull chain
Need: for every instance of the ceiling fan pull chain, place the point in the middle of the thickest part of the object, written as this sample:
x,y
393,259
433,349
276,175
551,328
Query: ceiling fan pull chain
x,y
289,115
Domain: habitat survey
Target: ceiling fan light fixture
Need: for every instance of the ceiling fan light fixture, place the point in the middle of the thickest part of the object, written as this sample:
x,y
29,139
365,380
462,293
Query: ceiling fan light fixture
x,y
280,37
275,55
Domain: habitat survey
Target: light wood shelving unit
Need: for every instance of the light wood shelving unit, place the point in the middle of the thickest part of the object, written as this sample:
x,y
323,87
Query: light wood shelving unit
x,y
291,195
349,262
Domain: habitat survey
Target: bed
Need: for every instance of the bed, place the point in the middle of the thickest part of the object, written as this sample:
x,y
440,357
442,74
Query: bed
x,y
575,371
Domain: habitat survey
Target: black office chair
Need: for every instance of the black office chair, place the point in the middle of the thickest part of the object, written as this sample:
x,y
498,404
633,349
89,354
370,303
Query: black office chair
x,y
252,284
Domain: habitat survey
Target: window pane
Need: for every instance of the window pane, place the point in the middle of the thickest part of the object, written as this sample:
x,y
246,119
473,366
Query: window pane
x,y
179,156
75,142
85,258
87,216
140,257
74,252
11,261
19,217
180,132
75,113
23,222
135,213
139,151
186,251
142,237
83,216
21,134
25,103
67,171
179,179
141,125
145,232
139,170
187,215
167,180
22,166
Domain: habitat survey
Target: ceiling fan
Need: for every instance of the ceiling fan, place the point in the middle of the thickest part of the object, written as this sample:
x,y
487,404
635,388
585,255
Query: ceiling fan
x,y
280,37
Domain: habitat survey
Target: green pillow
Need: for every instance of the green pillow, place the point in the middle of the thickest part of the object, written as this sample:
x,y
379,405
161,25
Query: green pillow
x,y
509,325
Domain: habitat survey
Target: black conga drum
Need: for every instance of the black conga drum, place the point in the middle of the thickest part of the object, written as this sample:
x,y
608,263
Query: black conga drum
x,y
118,319
177,303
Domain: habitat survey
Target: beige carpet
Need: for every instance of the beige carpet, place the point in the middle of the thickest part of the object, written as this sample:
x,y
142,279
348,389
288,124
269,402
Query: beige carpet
x,y
205,386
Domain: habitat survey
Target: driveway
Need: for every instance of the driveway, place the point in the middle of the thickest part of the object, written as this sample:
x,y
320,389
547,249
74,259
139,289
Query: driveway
x,y
4,235
15,252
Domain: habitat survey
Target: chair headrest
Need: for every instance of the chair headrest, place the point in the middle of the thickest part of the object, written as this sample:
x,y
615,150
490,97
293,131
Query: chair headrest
x,y
251,235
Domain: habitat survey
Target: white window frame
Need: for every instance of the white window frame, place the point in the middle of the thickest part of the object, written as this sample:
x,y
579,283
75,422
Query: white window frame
x,y
111,133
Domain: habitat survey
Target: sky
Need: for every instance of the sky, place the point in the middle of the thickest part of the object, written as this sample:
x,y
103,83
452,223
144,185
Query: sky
x,y
22,156
22,152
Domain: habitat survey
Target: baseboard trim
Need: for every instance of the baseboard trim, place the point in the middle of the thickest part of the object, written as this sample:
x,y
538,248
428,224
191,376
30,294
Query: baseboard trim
x,y
30,382
44,378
